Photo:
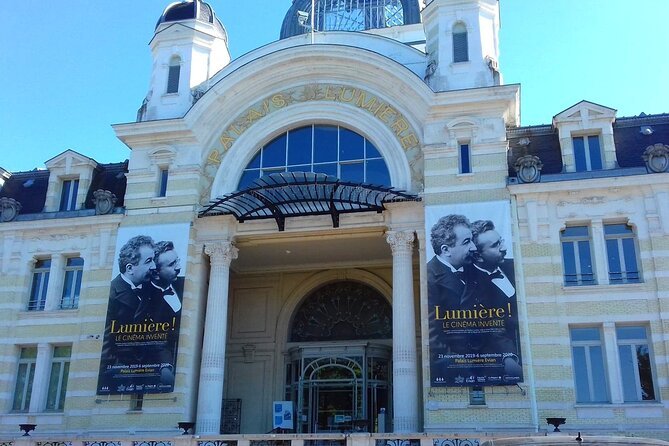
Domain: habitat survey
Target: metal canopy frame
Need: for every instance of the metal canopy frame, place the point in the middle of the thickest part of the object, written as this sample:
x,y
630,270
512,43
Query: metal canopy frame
x,y
299,194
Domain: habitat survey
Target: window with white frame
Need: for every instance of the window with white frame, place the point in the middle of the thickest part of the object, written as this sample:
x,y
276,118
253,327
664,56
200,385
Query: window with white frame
x,y
589,371
74,268
40,283
621,253
587,153
460,45
24,379
60,369
465,157
68,195
173,74
577,256
635,363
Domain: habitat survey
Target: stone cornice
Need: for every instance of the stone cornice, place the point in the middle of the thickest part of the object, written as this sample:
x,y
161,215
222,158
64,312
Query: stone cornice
x,y
152,133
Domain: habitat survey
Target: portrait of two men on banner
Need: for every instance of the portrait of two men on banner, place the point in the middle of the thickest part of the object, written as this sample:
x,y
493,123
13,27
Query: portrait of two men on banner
x,y
141,335
472,305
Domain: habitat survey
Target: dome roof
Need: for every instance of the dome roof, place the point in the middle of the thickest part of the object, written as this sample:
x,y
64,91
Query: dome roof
x,y
350,15
189,10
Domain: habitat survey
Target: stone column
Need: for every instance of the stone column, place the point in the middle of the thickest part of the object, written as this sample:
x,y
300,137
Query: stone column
x,y
41,378
54,291
405,376
212,368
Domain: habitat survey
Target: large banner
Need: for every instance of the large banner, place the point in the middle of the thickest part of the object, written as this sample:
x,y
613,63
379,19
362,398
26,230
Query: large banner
x,y
139,349
472,309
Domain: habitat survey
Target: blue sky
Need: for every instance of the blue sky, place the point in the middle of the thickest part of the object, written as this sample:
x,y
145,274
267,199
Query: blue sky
x,y
70,69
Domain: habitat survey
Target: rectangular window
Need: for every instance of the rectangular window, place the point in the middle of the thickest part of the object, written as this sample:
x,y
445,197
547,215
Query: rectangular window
x,y
68,196
589,372
587,153
60,368
39,285
577,256
173,78
136,401
465,158
460,47
74,269
477,396
162,190
621,253
24,379
635,364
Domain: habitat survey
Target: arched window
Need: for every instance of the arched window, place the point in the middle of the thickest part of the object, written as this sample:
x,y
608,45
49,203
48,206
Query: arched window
x,y
173,75
342,311
460,46
328,149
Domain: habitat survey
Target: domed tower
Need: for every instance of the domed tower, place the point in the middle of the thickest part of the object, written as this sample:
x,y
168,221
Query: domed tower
x,y
189,46
350,15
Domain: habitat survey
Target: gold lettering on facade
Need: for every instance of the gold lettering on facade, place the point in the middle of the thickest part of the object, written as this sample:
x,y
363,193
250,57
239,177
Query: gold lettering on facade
x,y
329,95
364,100
343,97
409,141
278,100
400,126
214,157
253,115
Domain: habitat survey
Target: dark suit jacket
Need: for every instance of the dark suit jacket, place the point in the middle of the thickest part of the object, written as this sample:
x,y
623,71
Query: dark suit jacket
x,y
500,339
448,291
160,311
126,306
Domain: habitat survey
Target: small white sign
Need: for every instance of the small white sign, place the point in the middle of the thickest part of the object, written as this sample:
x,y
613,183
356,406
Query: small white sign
x,y
282,414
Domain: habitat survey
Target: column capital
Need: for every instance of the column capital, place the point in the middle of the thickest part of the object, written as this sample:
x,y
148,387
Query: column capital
x,y
400,241
221,252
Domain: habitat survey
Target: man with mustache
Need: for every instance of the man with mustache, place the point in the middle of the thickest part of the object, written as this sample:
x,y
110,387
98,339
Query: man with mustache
x,y
448,281
128,297
166,291
494,276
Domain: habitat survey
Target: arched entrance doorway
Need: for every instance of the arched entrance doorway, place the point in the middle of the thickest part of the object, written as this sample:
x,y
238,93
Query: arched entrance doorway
x,y
339,361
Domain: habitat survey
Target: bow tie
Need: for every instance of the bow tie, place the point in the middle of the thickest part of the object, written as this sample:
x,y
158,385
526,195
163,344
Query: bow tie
x,y
497,274
168,292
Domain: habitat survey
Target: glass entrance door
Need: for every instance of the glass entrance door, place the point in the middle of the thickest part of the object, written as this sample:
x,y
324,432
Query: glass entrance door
x,y
342,392
334,407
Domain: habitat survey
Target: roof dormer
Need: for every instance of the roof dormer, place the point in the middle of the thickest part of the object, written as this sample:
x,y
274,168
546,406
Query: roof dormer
x,y
585,131
70,175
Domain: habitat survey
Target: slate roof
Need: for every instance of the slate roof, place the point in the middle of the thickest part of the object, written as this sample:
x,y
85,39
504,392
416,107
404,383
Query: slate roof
x,y
30,188
629,141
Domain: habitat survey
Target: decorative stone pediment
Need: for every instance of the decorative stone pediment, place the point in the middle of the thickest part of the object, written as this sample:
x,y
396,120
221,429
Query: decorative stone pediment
x,y
163,156
528,168
104,202
656,158
70,162
9,209
585,111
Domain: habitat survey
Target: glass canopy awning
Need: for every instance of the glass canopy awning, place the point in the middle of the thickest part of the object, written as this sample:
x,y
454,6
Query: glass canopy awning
x,y
298,194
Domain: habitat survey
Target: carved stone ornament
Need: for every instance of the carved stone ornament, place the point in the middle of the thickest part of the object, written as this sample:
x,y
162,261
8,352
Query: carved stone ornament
x,y
656,158
9,209
528,168
104,202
